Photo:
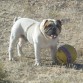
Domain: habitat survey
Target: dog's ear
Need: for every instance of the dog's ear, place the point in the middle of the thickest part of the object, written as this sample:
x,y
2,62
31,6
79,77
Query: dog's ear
x,y
45,23
58,22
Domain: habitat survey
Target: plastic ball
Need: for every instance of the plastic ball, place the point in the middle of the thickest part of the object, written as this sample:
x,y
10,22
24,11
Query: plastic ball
x,y
66,54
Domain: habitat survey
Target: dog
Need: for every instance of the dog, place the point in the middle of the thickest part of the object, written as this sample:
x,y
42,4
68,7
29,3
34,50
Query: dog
x,y
41,34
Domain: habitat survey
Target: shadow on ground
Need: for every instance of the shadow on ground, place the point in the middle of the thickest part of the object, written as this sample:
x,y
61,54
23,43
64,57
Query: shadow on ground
x,y
78,66
5,81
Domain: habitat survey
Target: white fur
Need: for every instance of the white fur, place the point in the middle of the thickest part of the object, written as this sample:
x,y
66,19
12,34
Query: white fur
x,y
31,29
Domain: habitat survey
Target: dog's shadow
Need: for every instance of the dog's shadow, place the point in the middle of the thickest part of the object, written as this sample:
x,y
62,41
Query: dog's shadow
x,y
78,66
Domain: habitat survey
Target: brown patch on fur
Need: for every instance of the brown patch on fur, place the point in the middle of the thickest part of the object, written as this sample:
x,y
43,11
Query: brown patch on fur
x,y
47,23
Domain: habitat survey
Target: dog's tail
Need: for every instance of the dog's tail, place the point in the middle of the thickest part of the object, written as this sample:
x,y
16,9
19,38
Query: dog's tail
x,y
15,19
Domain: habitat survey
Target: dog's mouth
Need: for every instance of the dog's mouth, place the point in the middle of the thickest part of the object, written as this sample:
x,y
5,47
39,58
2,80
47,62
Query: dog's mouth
x,y
53,36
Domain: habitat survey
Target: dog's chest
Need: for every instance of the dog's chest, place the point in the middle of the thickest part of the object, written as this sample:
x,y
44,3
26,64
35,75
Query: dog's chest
x,y
48,43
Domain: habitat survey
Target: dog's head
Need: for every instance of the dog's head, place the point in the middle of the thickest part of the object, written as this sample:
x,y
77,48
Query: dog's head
x,y
51,27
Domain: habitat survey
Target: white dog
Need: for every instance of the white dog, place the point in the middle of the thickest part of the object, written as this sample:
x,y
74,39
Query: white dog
x,y
41,34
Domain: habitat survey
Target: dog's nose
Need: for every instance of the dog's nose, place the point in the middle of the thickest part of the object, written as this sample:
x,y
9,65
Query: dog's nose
x,y
53,28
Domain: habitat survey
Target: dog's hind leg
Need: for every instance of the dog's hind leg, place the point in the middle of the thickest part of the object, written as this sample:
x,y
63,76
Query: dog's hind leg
x,y
11,46
19,46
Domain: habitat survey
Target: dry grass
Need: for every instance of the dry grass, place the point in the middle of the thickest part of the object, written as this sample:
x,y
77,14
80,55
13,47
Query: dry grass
x,y
2,72
22,70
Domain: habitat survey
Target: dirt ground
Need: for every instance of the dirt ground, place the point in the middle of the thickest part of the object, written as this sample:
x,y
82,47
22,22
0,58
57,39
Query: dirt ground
x,y
22,70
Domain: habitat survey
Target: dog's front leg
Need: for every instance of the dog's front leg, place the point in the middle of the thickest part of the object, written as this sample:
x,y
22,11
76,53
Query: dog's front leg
x,y
37,54
53,54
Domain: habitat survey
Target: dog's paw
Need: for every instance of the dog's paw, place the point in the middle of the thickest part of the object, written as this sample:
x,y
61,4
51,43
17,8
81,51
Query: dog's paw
x,y
54,63
37,64
20,54
11,59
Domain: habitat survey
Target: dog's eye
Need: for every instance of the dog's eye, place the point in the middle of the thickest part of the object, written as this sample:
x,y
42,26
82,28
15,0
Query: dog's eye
x,y
47,30
50,25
